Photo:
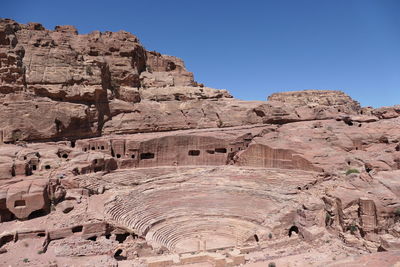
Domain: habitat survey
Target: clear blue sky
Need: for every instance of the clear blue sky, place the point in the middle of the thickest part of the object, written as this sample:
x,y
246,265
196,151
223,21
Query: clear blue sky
x,y
253,48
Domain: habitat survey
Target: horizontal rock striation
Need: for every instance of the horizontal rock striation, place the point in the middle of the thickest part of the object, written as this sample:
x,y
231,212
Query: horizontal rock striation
x,y
107,82
204,207
314,98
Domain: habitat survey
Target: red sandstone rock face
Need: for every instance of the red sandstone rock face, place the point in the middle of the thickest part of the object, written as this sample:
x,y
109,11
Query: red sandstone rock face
x,y
26,197
83,72
312,98
100,78
113,152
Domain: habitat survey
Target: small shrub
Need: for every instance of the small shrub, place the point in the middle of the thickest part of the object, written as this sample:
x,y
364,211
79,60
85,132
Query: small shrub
x,y
328,219
16,135
270,236
114,86
271,264
26,260
40,252
397,212
350,171
89,70
352,228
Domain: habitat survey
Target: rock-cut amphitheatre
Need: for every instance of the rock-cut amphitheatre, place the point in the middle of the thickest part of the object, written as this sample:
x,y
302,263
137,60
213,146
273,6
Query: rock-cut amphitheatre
x,y
112,155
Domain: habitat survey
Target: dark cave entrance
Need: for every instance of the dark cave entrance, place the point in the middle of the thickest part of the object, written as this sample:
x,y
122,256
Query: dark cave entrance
x,y
194,152
77,229
256,238
37,213
118,256
146,155
293,229
121,237
220,150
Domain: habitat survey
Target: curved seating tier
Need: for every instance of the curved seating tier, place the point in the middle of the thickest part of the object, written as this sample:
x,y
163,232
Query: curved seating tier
x,y
207,209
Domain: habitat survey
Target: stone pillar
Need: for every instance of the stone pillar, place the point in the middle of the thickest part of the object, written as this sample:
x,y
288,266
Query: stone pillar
x,y
367,213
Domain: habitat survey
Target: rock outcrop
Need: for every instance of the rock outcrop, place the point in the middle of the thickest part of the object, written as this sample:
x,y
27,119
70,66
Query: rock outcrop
x,y
107,82
312,98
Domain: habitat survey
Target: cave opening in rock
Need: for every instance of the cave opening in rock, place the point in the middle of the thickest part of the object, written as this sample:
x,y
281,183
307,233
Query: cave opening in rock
x,y
293,229
368,169
37,214
220,150
121,237
118,156
77,229
170,66
28,171
6,238
47,167
20,203
98,168
117,255
194,152
147,155
256,238
381,249
92,238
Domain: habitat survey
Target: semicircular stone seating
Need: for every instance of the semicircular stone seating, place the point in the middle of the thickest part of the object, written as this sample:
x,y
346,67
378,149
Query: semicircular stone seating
x,y
199,212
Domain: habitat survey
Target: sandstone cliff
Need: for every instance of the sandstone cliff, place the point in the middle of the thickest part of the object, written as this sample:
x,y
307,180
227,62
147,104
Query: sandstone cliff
x,y
63,85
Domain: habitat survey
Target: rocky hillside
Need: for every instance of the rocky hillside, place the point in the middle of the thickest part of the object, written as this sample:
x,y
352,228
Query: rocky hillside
x,y
65,86
112,155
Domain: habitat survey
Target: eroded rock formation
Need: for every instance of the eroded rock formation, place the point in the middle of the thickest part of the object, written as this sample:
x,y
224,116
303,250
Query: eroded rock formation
x,y
115,154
